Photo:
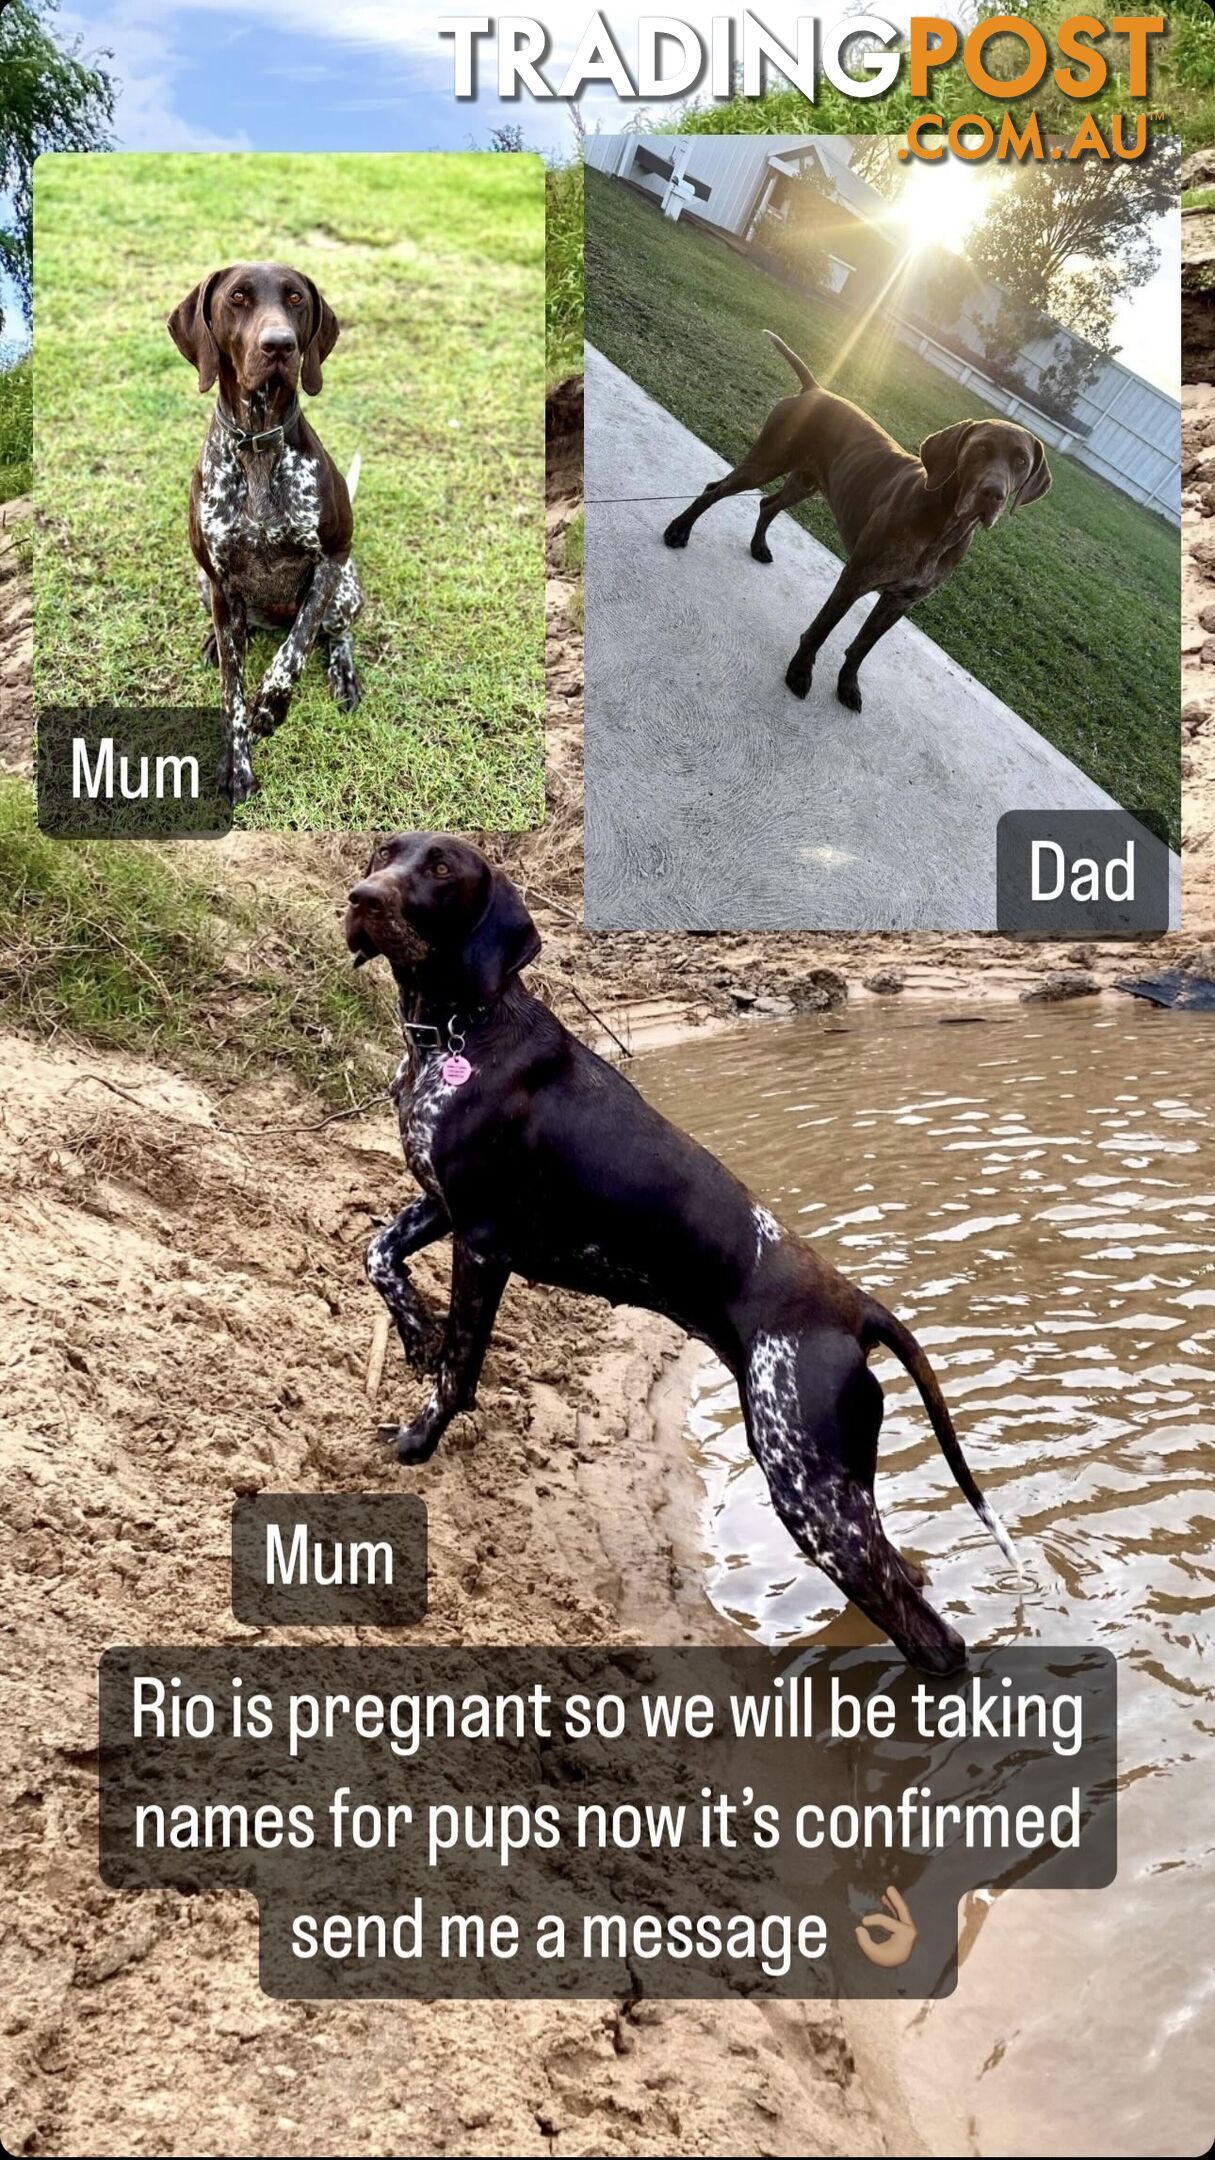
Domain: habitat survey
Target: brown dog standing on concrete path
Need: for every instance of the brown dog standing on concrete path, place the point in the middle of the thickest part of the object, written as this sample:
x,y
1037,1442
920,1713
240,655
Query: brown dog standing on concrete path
x,y
905,521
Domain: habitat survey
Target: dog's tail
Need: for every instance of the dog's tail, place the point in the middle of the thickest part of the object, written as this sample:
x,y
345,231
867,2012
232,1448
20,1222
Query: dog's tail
x,y
884,1328
352,477
798,366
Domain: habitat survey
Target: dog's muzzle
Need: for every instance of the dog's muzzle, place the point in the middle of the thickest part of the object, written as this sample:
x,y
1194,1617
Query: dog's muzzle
x,y
989,502
375,926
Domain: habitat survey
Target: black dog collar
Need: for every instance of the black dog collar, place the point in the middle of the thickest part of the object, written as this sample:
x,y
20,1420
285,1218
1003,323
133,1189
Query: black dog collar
x,y
266,438
428,1035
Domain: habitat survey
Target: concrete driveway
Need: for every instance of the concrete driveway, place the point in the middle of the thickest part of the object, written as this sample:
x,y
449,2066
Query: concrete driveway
x,y
714,799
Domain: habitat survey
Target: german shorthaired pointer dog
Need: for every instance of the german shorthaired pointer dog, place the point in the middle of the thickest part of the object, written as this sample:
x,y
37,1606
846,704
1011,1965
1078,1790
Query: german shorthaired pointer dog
x,y
538,1159
906,521
270,516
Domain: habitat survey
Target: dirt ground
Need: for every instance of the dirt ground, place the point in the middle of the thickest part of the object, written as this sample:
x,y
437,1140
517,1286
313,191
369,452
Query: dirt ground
x,y
186,1319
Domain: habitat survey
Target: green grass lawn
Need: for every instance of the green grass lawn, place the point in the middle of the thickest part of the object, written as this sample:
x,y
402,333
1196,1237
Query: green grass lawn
x,y
1070,612
434,266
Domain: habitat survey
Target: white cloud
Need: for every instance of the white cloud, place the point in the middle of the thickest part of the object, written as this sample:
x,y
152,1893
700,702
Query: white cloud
x,y
139,35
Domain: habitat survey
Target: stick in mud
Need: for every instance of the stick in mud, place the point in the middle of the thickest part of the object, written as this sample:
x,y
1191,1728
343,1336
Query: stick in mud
x,y
378,1352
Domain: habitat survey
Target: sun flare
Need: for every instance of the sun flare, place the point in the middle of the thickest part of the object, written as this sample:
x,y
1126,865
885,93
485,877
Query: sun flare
x,y
939,204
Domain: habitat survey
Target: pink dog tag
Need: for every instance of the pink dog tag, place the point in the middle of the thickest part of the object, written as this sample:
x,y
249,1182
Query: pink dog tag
x,y
456,1070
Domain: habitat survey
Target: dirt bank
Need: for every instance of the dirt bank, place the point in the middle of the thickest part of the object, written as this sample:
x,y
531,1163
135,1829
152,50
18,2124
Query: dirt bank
x,y
1198,652
187,1320
1198,294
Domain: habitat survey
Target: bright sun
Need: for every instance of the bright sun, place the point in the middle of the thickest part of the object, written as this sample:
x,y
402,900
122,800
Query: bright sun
x,y
939,204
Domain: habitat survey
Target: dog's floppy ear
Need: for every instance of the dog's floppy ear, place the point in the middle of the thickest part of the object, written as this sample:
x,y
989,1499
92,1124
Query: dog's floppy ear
x,y
1038,482
939,454
505,940
321,343
189,326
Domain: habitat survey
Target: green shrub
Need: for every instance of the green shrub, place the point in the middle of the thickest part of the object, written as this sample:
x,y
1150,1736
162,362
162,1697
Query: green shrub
x,y
16,428
563,282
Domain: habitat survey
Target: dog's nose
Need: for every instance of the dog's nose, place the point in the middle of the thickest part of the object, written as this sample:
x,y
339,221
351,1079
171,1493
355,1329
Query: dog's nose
x,y
364,894
276,339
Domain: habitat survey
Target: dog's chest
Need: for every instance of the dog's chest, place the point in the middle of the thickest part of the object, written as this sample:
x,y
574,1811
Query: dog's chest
x,y
422,1098
260,519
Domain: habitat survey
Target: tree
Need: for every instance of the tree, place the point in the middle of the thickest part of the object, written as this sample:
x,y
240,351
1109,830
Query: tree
x,y
50,99
1065,237
1066,243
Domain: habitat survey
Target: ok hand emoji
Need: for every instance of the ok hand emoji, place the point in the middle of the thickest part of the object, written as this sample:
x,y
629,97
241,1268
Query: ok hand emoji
x,y
895,1943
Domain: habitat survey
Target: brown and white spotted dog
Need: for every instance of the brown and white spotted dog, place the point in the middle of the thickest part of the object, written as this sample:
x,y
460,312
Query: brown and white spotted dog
x,y
537,1159
270,514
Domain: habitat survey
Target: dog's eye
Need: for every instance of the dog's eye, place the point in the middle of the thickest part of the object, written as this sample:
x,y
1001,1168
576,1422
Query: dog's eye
x,y
295,299
239,299
442,869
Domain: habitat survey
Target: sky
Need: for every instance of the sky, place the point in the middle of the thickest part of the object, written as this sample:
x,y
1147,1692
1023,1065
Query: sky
x,y
212,75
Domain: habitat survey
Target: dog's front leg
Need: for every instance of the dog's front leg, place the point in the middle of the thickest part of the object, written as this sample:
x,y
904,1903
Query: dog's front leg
x,y
342,674
477,1283
844,593
278,682
415,1227
231,637
881,619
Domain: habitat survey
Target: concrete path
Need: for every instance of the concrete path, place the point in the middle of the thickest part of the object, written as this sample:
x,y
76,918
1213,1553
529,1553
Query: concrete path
x,y
714,799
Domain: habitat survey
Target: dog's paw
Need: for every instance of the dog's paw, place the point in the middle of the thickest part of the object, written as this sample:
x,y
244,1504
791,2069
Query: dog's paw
x,y
849,693
345,685
414,1443
236,778
677,535
269,712
761,551
209,650
799,678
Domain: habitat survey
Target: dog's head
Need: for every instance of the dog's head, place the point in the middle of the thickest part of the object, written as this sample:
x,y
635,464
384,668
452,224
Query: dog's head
x,y
442,916
985,467
261,324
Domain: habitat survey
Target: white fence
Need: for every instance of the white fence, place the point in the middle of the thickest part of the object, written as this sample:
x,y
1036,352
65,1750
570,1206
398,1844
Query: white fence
x,y
1156,483
1130,431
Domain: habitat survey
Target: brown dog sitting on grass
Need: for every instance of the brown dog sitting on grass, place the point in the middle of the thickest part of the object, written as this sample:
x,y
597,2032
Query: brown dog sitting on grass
x,y
271,523
906,521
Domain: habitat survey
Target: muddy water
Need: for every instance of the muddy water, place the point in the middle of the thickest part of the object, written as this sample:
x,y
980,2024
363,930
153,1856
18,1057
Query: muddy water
x,y
1036,1196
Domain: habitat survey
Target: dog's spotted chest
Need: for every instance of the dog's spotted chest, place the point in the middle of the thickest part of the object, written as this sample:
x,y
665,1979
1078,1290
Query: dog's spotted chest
x,y
422,1095
260,519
